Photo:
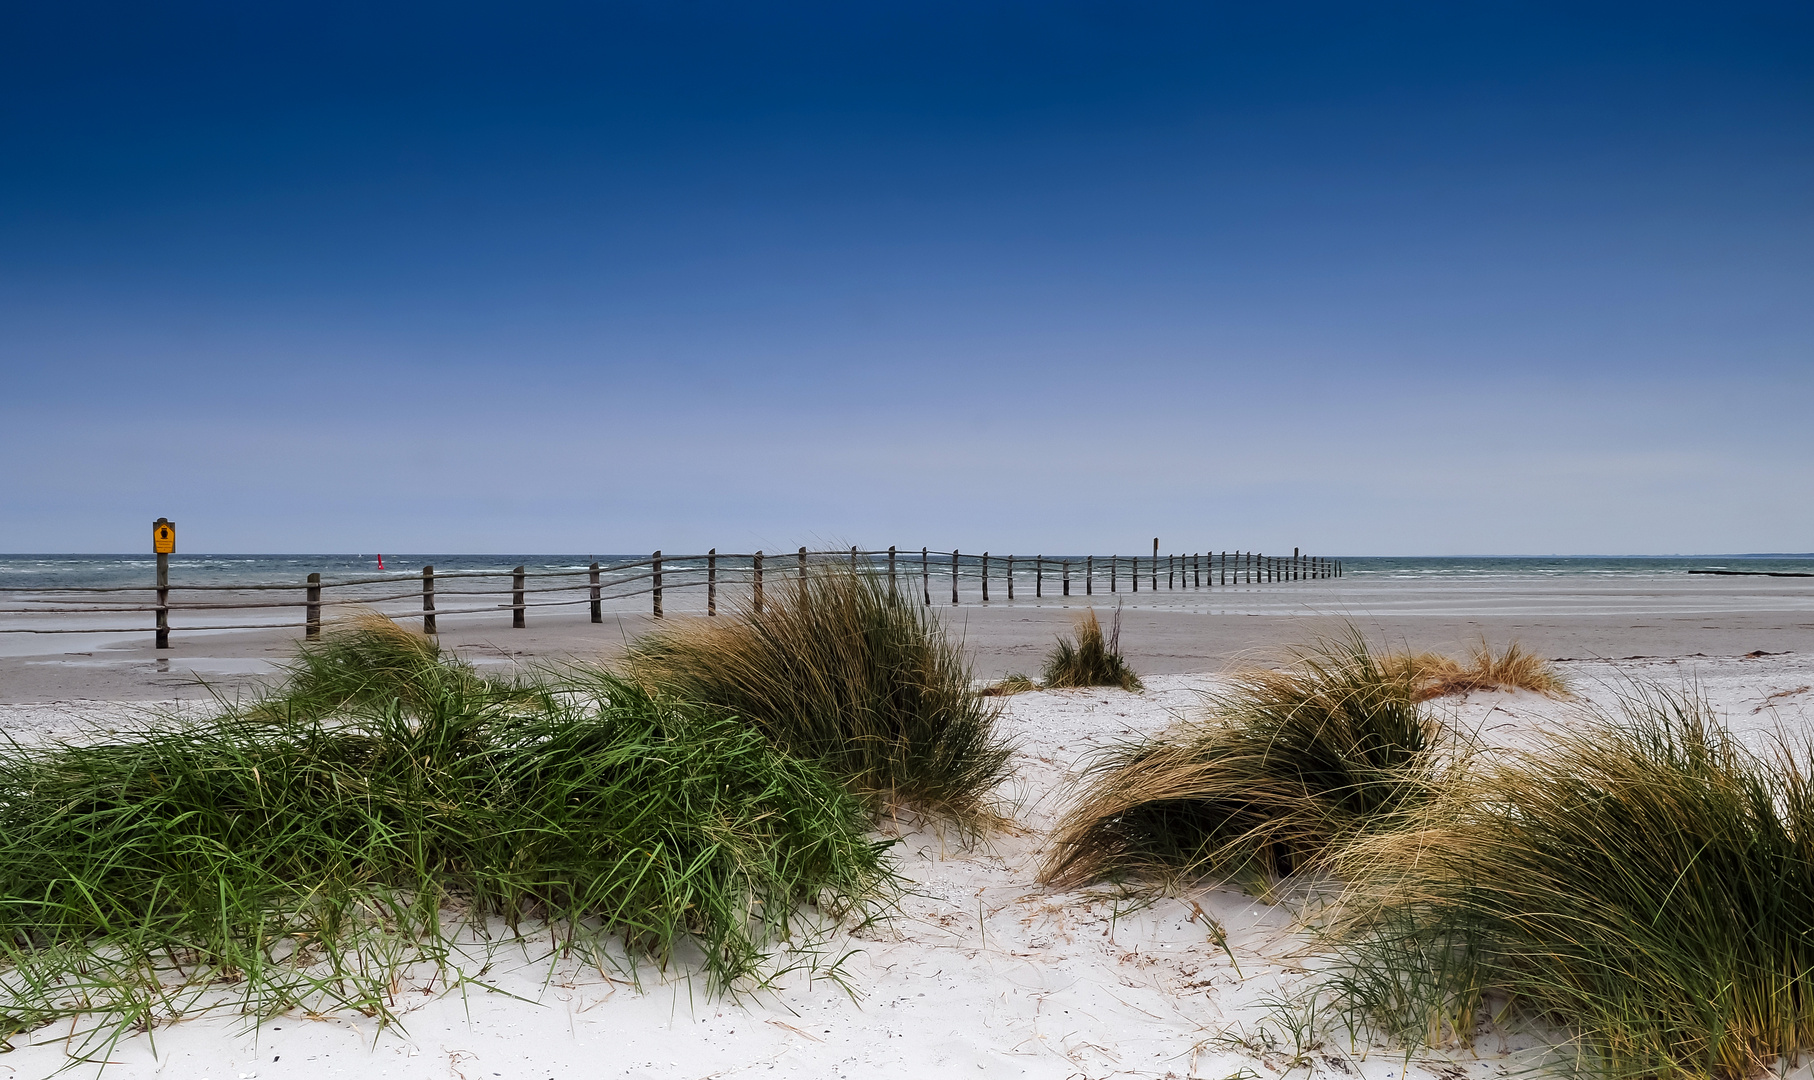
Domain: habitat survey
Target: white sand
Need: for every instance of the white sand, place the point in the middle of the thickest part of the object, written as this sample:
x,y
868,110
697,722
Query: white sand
x,y
983,972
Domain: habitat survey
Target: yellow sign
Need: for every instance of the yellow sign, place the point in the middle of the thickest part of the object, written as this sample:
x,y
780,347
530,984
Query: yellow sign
x,y
163,536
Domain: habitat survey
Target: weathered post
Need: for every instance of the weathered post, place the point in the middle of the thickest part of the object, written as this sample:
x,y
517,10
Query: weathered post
x,y
853,558
756,574
1171,572
1010,577
1039,576
711,582
926,576
428,600
1113,560
163,544
1135,575
655,581
1067,577
985,577
891,587
954,577
803,563
1089,575
597,595
312,613
1297,569
1155,564
516,599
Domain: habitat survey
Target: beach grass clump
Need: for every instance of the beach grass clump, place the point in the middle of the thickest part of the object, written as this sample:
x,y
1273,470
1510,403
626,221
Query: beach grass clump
x,y
1010,685
1642,878
1436,675
840,668
1287,765
1090,658
277,857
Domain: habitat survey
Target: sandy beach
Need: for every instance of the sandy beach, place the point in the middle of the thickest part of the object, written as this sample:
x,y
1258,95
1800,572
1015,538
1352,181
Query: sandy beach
x,y
982,970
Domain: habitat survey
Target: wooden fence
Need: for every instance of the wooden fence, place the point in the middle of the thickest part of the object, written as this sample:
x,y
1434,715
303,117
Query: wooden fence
x,y
713,574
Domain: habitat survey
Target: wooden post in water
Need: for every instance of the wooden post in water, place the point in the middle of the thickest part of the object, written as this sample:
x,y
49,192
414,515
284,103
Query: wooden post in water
x,y
312,613
163,544
1155,564
1067,577
163,599
985,577
428,600
1010,577
1039,576
1170,572
1135,576
711,582
516,599
926,576
756,574
655,581
1089,575
1113,560
954,577
598,608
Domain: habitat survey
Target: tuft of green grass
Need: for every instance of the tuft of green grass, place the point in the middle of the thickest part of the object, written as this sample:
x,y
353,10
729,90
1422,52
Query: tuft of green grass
x,y
842,669
293,855
1642,877
1089,658
1288,765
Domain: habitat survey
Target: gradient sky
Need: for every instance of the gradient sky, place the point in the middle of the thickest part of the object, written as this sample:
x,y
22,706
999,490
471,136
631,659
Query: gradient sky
x,y
1365,279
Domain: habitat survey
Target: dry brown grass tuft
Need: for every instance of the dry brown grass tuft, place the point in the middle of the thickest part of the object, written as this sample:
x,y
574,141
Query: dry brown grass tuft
x,y
1433,675
1016,683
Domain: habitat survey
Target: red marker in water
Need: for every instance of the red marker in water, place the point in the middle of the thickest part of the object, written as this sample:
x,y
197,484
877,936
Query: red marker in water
x,y
380,562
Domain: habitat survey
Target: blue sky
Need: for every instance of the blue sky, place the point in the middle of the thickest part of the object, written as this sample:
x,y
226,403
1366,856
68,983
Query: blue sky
x,y
1367,279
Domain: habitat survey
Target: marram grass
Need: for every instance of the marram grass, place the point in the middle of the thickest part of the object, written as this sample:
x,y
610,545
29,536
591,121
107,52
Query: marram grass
x,y
302,852
1285,767
840,668
1434,675
1642,878
1089,658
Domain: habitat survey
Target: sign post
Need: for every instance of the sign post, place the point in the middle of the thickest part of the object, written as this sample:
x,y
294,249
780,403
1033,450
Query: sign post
x,y
163,543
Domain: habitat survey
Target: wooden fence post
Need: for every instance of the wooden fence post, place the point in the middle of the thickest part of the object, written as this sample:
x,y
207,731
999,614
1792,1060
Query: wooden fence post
x,y
756,569
516,599
163,599
954,577
312,617
1067,577
1113,561
802,563
1010,577
853,558
711,582
1039,576
428,600
985,577
926,576
1155,564
1089,575
597,595
655,580
1171,574
891,585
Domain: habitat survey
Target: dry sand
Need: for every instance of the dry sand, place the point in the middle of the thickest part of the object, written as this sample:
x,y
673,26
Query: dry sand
x,y
983,972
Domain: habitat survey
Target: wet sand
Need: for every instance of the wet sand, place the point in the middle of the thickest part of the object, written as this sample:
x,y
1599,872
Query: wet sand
x,y
1169,632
